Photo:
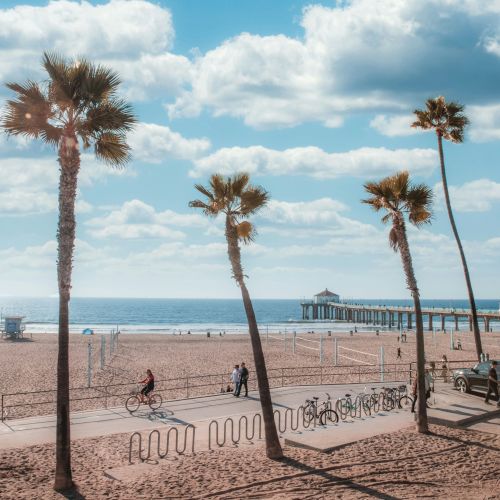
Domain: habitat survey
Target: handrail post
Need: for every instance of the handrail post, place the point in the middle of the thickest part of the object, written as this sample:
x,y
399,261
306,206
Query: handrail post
x,y
2,417
321,375
282,377
187,387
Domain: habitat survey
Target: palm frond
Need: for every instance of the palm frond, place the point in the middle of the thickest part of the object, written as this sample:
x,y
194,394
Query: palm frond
x,y
246,232
203,190
393,239
420,217
100,85
29,113
238,184
253,199
112,148
208,208
219,186
110,116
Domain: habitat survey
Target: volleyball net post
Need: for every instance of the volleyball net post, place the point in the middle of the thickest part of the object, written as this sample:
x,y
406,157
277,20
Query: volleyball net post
x,y
321,348
103,351
381,362
89,365
293,341
335,351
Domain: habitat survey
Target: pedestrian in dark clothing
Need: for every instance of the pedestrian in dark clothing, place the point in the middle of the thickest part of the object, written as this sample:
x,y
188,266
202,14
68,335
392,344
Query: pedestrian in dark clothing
x,y
399,353
492,383
243,380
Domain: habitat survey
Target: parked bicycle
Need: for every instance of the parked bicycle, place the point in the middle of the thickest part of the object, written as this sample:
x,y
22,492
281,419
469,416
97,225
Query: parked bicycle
x,y
153,400
362,402
396,397
323,413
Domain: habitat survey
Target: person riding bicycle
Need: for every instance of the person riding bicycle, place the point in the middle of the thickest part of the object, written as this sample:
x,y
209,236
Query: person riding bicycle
x,y
150,385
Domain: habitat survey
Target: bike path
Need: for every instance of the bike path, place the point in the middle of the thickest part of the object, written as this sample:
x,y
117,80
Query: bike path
x,y
103,422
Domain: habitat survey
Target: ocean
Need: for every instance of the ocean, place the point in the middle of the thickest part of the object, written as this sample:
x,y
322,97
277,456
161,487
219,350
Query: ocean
x,y
195,315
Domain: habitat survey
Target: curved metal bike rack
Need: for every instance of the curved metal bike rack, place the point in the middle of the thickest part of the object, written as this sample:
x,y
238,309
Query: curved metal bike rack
x,y
293,426
159,453
235,439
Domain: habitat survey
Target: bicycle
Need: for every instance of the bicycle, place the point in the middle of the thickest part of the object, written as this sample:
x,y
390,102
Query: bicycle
x,y
323,414
346,406
133,402
404,400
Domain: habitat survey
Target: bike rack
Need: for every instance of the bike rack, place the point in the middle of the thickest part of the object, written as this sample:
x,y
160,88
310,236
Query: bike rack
x,y
159,452
257,418
293,427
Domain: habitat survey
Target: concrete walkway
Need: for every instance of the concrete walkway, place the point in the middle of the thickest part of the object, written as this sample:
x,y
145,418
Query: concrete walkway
x,y
448,407
85,424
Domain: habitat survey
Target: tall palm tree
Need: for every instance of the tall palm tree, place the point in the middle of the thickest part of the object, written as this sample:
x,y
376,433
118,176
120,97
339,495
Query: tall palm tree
x,y
449,122
237,199
76,106
397,196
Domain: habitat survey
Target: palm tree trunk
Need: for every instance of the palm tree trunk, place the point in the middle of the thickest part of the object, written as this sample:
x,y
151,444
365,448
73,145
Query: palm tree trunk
x,y
404,250
69,162
273,446
472,302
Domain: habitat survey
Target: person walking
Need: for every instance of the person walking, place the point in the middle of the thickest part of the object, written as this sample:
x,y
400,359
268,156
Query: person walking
x,y
492,383
243,380
235,378
415,391
399,353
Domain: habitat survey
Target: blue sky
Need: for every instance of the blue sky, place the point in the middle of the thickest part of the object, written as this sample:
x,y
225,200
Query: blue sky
x,y
312,99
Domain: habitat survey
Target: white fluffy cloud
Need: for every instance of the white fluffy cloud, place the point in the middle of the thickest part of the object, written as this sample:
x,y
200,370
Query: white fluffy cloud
x,y
29,184
474,196
154,143
136,219
394,125
132,36
354,56
485,122
313,161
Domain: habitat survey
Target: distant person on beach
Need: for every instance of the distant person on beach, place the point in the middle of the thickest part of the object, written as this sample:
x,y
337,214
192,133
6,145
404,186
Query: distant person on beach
x,y
235,378
492,383
459,345
150,385
243,380
444,368
399,353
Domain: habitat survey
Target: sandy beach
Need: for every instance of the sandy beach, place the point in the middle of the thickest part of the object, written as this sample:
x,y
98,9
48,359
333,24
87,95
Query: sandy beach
x,y
448,463
207,362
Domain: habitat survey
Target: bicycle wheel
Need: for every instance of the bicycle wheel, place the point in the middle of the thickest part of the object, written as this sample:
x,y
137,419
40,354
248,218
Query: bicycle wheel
x,y
405,401
132,404
343,407
155,401
366,404
309,413
328,417
387,403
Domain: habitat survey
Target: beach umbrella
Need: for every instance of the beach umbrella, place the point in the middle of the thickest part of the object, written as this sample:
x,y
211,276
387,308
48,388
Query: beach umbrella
x,y
88,331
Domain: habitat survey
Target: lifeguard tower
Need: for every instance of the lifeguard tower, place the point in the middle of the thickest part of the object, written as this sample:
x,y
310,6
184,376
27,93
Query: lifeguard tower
x,y
13,327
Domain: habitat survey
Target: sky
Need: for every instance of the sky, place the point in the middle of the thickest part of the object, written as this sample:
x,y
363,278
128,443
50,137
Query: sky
x,y
312,99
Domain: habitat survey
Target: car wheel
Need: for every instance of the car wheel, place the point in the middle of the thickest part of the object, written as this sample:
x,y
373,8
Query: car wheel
x,y
461,385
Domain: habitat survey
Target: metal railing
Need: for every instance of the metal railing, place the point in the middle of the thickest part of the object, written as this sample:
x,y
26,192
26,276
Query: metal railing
x,y
151,452
438,372
35,403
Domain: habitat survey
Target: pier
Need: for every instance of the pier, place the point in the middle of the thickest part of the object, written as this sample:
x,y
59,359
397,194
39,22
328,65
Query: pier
x,y
393,316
